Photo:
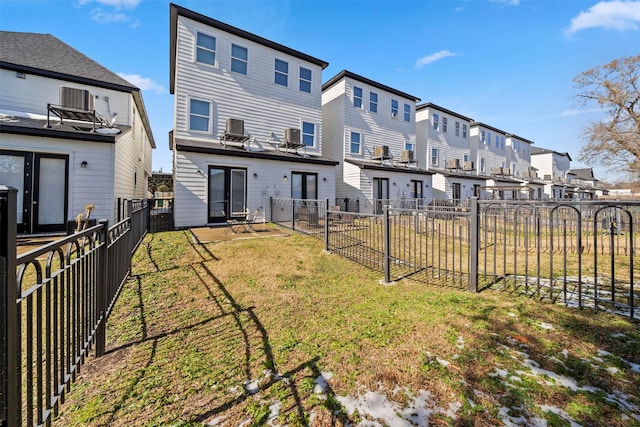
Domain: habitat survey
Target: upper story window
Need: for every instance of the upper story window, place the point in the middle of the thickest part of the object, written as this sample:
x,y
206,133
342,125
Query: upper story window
x,y
482,137
457,129
408,146
483,164
444,124
373,102
308,134
281,73
239,59
357,97
199,115
489,139
394,108
355,143
464,131
205,49
435,156
407,112
465,157
305,80
436,122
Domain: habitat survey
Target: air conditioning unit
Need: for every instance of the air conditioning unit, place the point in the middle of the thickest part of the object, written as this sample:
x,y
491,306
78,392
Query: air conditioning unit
x,y
381,152
407,156
78,99
547,177
468,166
292,136
453,164
235,127
496,170
394,114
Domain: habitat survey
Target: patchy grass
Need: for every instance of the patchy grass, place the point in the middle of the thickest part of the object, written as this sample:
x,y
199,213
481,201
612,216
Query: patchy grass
x,y
276,331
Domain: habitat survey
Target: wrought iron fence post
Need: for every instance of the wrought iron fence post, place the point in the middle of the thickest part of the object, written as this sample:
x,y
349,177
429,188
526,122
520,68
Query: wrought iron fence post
x,y
101,287
10,372
387,244
293,213
271,209
326,224
474,246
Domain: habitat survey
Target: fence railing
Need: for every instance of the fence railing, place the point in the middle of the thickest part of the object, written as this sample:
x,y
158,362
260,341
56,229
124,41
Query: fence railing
x,y
55,301
577,253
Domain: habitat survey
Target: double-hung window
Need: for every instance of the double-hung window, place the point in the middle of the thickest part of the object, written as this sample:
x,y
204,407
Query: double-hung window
x,y
489,139
408,146
308,133
199,115
464,131
436,122
305,80
407,112
205,49
394,108
239,59
435,156
373,102
357,97
281,73
483,164
457,129
482,137
444,124
355,143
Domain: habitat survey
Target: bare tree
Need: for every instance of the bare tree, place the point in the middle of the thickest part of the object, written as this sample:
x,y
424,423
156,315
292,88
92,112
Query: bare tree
x,y
615,140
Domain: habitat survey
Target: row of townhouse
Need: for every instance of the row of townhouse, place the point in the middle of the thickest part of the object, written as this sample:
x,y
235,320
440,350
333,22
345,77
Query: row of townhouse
x,y
253,121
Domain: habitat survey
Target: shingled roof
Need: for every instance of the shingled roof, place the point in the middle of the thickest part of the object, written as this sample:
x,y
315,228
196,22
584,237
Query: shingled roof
x,y
47,56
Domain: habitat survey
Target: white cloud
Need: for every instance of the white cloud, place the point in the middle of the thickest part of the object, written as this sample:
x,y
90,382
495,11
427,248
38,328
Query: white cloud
x,y
572,113
102,17
118,4
507,2
617,15
426,60
144,83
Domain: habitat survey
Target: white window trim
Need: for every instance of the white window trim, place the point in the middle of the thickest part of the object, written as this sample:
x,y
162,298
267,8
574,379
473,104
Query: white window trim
x,y
405,112
437,157
188,122
315,133
371,102
301,79
195,51
360,147
361,97
276,71
396,113
232,58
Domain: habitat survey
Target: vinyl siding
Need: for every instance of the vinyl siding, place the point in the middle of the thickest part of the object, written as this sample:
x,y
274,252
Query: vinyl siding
x,y
447,143
191,189
266,108
33,93
93,184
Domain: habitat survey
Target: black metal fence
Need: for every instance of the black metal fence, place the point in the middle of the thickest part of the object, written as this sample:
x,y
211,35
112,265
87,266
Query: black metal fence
x,y
55,303
577,253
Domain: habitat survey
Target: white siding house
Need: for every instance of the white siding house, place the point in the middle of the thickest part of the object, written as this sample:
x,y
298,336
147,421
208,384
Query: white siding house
x,y
553,167
444,147
370,128
248,122
73,133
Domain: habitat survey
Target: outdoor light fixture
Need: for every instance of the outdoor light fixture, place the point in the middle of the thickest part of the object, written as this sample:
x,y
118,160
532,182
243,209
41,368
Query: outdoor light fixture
x,y
285,177
84,164
255,175
324,179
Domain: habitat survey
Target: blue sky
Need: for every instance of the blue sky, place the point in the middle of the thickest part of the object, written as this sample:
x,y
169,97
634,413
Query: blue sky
x,y
507,63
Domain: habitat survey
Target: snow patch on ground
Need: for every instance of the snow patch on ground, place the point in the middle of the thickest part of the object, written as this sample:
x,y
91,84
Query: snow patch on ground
x,y
322,382
545,325
376,406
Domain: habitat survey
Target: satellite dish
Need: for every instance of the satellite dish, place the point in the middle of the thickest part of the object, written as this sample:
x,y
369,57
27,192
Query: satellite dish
x,y
108,131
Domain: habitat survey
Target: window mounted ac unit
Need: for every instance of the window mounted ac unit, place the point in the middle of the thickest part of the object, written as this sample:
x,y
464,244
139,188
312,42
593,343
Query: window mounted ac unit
x,y
547,177
468,166
407,156
78,99
381,152
292,136
453,164
496,170
394,115
235,126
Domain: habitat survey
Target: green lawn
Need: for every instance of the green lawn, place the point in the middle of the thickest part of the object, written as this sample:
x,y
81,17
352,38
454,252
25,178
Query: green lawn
x,y
275,330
